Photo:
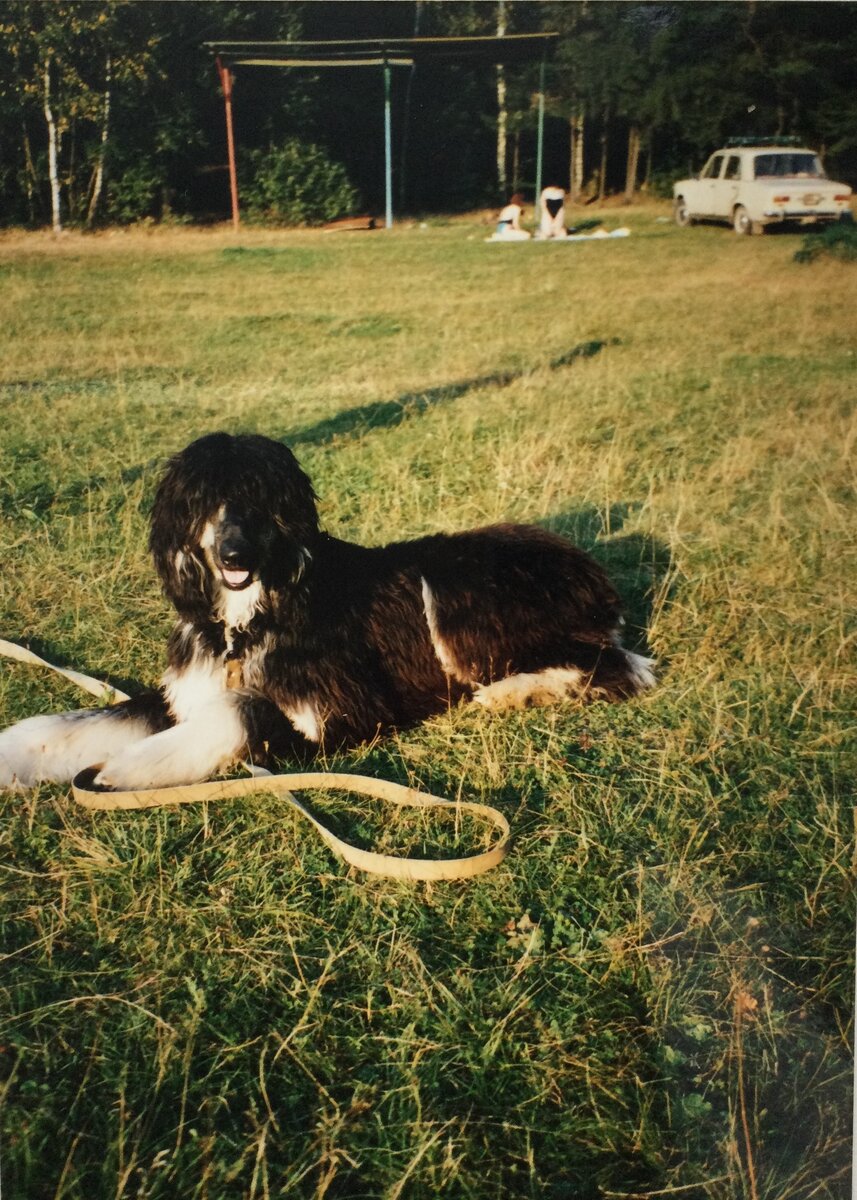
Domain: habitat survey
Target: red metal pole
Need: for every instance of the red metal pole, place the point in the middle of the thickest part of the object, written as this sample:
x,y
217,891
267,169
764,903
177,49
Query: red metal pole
x,y
226,84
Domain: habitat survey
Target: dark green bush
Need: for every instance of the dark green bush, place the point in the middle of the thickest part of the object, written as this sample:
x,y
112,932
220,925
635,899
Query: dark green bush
x,y
660,183
131,193
296,183
838,241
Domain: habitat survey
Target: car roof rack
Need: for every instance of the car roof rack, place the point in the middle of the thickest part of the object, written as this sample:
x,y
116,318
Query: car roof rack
x,y
788,142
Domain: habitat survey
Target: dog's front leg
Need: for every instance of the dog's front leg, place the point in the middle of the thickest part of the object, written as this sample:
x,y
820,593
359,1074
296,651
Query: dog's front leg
x,y
218,732
213,736
53,748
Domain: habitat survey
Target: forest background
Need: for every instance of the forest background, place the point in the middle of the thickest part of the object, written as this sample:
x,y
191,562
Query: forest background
x,y
110,111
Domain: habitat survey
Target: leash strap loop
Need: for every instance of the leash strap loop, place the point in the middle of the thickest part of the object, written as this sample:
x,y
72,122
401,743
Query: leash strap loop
x,y
372,861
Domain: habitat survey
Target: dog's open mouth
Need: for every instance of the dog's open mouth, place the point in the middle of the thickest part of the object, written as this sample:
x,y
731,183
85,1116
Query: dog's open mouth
x,y
235,578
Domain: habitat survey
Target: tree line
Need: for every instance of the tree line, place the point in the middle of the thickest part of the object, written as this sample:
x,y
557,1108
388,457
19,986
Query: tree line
x,y
110,110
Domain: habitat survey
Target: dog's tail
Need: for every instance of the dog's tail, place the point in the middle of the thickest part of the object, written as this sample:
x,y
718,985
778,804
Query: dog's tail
x,y
618,674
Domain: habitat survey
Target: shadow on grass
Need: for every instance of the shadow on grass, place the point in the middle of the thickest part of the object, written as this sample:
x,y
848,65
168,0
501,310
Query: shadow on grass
x,y
386,414
636,563
39,497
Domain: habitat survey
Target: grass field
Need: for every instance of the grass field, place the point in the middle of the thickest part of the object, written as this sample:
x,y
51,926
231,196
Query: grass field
x,y
653,995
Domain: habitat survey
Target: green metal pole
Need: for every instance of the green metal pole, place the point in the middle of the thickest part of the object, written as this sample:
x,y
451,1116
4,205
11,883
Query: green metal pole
x,y
541,136
388,150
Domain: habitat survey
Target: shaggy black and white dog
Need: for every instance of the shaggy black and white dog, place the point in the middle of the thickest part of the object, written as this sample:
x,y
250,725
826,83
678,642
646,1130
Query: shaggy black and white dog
x,y
289,640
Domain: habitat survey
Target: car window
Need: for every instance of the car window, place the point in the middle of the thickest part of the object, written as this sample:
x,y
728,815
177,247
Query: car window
x,y
782,164
711,170
733,167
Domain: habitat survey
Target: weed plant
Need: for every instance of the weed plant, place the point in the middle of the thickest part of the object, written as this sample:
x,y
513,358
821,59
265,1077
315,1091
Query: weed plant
x,y
652,996
838,241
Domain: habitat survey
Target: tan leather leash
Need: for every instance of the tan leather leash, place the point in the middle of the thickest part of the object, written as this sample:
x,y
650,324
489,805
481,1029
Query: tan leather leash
x,y
86,683
365,860
389,865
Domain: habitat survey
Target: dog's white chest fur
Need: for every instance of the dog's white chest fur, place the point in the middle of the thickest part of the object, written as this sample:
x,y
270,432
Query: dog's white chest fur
x,y
237,609
191,689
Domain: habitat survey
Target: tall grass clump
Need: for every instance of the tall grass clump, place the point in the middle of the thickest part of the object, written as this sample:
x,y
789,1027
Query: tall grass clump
x,y
652,996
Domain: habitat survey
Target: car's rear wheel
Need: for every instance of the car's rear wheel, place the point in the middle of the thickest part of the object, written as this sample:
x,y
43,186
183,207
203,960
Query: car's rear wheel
x,y
682,213
742,222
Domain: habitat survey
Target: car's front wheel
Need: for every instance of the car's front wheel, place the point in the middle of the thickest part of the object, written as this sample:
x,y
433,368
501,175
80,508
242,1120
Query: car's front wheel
x,y
682,213
743,223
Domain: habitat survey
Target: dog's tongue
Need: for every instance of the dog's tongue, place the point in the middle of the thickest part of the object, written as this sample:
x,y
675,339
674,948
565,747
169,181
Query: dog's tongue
x,y
233,578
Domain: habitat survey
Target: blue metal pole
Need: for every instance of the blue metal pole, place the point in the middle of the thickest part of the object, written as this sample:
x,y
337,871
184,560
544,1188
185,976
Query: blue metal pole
x,y
541,137
388,150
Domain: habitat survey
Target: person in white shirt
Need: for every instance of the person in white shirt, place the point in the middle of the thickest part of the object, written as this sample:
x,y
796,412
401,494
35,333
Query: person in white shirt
x,y
552,206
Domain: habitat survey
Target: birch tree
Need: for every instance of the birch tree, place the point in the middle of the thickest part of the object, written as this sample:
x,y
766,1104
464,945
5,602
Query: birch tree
x,y
502,116
98,177
53,142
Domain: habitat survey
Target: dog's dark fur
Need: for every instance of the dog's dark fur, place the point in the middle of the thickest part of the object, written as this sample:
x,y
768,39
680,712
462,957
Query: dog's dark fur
x,y
329,643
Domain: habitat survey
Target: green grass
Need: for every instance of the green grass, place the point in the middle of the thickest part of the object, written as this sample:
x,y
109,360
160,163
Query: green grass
x,y
653,994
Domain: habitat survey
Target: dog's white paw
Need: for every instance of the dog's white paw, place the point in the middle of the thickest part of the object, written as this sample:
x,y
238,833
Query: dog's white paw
x,y
34,751
640,671
116,777
138,768
14,776
186,753
530,690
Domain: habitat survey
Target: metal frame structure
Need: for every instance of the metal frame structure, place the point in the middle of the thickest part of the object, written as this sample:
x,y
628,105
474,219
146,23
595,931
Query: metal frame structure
x,y
385,53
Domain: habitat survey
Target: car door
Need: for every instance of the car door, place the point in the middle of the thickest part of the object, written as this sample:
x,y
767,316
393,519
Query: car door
x,y
725,191
709,180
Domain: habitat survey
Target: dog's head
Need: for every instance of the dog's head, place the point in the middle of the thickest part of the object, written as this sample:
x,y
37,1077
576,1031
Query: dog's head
x,y
231,513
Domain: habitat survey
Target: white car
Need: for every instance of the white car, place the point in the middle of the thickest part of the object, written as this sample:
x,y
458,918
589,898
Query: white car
x,y
754,184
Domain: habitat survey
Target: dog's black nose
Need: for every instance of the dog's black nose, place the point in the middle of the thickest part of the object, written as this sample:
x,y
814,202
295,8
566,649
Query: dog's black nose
x,y
234,552
233,548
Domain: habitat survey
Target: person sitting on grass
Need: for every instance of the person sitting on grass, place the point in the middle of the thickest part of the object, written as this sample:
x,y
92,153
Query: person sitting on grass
x,y
509,221
552,205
